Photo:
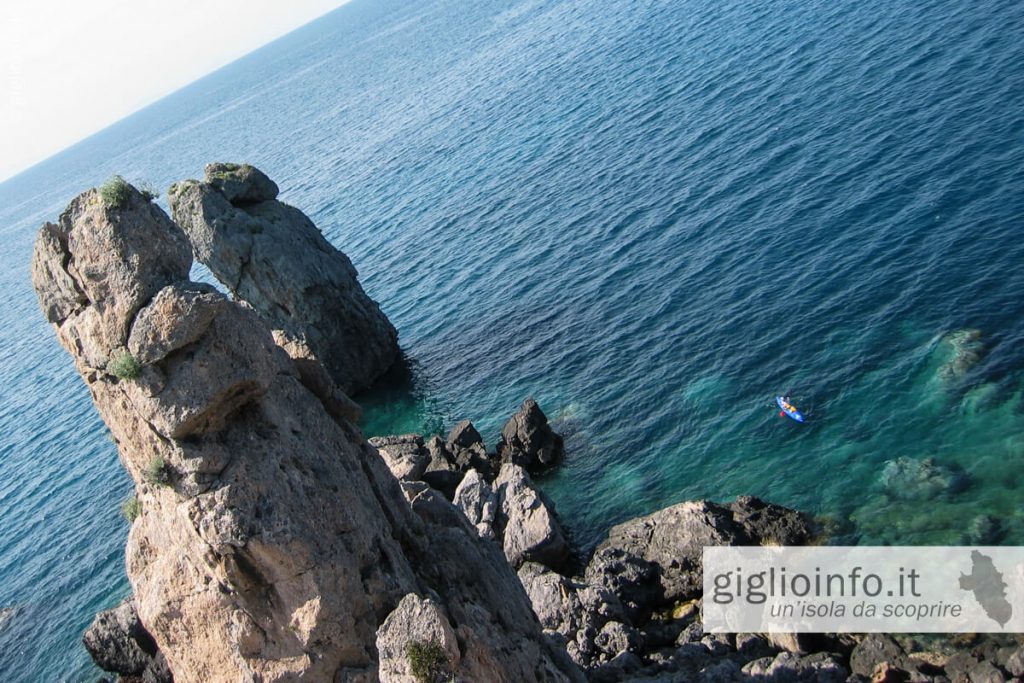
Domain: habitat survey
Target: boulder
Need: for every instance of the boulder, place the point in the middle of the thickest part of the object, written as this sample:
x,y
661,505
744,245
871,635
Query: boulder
x,y
654,561
874,650
821,667
404,455
119,643
527,440
466,448
478,502
616,637
416,637
575,611
241,183
272,256
528,526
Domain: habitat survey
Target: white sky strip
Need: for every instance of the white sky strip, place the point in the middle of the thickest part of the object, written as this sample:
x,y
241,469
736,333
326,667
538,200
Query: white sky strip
x,y
70,68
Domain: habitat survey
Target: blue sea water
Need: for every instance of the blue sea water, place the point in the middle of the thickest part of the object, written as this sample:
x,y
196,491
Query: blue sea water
x,y
652,216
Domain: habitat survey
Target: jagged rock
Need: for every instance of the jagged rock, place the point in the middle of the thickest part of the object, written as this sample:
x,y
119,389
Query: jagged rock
x,y
875,649
821,667
467,450
478,502
767,524
420,621
241,183
754,646
315,377
272,256
404,455
1015,662
527,440
282,542
529,528
119,643
616,669
616,637
916,480
717,643
653,561
119,257
576,611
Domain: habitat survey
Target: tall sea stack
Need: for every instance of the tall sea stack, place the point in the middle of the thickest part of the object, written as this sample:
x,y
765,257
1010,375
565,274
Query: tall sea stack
x,y
272,256
272,543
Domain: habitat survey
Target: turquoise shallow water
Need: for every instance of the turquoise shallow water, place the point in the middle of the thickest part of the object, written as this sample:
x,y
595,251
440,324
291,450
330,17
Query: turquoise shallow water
x,y
653,216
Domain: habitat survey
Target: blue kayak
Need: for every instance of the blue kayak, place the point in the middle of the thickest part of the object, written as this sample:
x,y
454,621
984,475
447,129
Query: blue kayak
x,y
789,409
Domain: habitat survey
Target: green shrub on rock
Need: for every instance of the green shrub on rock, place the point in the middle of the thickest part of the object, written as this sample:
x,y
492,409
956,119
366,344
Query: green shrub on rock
x,y
428,662
159,473
124,366
131,509
115,192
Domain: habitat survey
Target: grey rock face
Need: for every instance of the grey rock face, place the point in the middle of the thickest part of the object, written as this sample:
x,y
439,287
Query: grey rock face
x,y
278,542
404,455
876,649
271,255
241,183
786,666
527,440
119,643
420,621
530,530
479,502
655,560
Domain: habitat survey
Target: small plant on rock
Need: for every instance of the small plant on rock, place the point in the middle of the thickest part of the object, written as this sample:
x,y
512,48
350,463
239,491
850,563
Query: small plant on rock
x,y
159,473
428,662
115,192
149,192
131,509
124,366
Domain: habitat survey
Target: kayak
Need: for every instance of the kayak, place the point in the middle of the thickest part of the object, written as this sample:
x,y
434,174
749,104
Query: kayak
x,y
789,409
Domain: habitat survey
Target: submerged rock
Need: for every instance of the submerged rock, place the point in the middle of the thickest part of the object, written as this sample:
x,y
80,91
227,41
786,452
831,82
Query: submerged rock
x,y
964,348
272,256
910,479
272,542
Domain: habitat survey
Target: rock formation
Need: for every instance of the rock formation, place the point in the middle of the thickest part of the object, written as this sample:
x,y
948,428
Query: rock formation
x,y
120,644
272,256
527,440
505,506
273,543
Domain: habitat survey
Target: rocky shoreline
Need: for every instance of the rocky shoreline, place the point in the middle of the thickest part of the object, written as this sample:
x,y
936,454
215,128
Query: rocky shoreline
x,y
272,542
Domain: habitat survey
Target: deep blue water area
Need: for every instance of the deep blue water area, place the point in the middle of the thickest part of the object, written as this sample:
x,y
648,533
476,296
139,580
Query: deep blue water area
x,y
651,216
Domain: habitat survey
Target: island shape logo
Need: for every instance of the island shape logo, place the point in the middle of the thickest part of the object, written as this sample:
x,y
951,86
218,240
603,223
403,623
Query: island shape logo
x,y
988,586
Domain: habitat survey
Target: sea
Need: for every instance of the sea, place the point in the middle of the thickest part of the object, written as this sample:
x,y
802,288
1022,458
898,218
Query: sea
x,y
654,216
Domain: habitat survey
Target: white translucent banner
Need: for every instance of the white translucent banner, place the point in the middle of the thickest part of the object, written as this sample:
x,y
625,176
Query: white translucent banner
x,y
864,589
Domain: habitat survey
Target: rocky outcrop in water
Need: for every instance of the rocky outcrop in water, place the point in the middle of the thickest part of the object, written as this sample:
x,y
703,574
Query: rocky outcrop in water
x,y
119,643
273,543
527,440
272,256
505,507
